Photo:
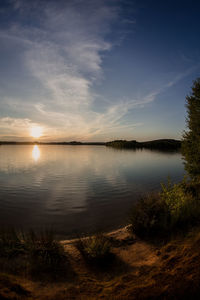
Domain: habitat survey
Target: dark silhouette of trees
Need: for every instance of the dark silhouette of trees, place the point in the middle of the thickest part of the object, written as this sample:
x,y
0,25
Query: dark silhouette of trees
x,y
191,138
163,144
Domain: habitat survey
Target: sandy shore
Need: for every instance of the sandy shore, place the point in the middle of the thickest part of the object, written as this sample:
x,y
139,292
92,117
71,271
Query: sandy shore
x,y
140,270
130,250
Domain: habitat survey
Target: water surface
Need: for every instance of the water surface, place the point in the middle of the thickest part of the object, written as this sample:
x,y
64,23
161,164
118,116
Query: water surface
x,y
77,189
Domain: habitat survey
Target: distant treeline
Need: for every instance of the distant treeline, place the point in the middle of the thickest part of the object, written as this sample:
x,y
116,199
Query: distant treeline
x,y
50,143
163,144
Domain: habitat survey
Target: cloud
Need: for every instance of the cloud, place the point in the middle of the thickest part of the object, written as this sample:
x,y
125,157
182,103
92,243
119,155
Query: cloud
x,y
59,49
11,127
64,54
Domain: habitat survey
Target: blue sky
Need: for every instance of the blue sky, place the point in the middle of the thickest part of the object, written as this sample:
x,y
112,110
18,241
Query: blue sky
x,y
97,70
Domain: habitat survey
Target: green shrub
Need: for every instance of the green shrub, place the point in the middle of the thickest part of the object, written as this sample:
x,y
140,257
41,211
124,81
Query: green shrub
x,y
182,205
149,216
175,207
95,248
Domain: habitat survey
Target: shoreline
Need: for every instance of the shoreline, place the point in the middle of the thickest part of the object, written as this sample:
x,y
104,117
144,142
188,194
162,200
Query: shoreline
x,y
115,233
160,144
141,269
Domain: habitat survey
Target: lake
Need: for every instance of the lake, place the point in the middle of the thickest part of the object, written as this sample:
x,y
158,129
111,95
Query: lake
x,y
78,189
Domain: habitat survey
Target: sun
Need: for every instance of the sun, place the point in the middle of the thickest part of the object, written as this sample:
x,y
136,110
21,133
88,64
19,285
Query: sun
x,y
36,131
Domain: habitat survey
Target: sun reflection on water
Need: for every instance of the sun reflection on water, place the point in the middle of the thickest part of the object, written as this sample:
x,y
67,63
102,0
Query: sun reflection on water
x,y
36,153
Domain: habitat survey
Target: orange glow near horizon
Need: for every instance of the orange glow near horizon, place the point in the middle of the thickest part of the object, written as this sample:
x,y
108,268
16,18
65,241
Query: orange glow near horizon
x,y
36,131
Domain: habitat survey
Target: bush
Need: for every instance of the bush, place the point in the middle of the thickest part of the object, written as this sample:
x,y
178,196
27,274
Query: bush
x,y
95,249
173,208
149,216
182,205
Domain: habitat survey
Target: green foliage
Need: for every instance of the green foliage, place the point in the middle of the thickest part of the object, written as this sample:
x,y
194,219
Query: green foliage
x,y
191,138
149,216
182,206
95,248
175,207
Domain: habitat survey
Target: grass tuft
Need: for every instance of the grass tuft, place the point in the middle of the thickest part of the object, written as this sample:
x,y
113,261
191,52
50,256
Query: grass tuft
x,y
43,247
95,249
32,253
11,243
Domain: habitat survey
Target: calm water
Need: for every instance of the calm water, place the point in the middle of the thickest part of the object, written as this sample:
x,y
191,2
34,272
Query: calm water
x,y
76,189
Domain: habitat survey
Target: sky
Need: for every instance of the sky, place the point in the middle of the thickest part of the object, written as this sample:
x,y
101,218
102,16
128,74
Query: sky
x,y
96,70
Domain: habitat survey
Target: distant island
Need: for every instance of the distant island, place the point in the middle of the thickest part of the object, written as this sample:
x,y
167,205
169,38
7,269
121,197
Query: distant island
x,y
161,144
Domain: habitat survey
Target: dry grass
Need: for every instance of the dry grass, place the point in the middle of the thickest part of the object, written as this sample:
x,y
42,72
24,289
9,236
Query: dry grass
x,y
33,255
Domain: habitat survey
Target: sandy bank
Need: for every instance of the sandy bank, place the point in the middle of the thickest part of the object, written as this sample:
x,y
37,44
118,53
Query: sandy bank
x,y
140,270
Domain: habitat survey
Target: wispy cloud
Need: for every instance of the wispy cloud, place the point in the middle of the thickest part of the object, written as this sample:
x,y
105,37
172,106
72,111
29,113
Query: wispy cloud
x,y
65,55
60,47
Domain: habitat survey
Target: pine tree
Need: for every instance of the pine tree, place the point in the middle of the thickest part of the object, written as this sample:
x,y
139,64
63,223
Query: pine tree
x,y
191,138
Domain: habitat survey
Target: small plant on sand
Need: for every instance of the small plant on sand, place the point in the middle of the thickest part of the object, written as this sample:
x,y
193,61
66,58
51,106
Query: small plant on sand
x,y
95,249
